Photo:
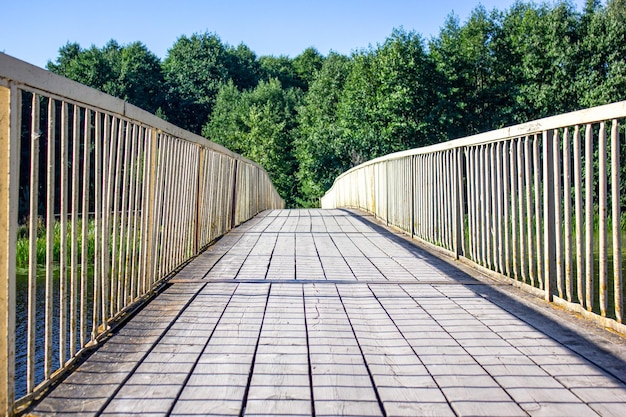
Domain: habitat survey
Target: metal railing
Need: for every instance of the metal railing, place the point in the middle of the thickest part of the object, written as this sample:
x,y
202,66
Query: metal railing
x,y
112,200
532,203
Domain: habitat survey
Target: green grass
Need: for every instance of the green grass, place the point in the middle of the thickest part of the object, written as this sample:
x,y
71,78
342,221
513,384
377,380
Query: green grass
x,y
22,244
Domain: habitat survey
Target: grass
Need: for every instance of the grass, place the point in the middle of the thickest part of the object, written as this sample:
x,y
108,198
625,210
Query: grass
x,y
22,243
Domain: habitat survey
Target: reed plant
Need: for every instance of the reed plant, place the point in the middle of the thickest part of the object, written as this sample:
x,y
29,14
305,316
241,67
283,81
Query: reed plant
x,y
23,243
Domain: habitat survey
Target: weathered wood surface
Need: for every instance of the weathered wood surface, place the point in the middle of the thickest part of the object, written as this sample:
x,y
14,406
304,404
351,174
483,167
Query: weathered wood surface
x,y
322,313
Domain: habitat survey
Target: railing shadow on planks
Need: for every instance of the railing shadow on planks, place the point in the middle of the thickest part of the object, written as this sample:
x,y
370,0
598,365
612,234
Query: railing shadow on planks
x,y
112,200
538,205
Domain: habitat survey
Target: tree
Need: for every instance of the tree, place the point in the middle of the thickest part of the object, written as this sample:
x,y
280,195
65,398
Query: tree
x,y
194,70
281,68
259,124
602,77
243,67
317,153
387,99
472,96
307,64
542,47
129,72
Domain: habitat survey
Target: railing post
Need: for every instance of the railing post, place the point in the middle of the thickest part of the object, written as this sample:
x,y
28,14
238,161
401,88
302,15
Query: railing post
x,y
233,208
199,199
151,235
549,238
9,177
412,181
387,191
459,202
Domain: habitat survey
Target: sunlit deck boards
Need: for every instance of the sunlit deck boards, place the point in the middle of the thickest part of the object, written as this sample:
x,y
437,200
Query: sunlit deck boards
x,y
320,313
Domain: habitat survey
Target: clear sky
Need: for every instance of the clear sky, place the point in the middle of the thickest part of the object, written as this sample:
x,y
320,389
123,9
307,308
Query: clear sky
x,y
34,30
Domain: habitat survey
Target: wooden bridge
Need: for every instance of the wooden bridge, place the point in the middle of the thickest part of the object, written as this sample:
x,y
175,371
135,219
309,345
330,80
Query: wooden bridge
x,y
325,313
158,273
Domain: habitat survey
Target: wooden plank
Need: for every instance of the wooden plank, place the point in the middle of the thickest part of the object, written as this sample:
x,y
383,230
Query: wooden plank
x,y
301,348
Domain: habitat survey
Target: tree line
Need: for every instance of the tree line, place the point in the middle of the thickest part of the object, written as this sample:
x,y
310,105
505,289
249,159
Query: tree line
x,y
309,118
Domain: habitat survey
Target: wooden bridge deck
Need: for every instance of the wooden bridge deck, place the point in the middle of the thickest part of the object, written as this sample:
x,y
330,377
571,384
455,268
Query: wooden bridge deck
x,y
323,313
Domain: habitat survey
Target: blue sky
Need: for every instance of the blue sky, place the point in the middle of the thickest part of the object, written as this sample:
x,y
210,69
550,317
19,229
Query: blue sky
x,y
34,30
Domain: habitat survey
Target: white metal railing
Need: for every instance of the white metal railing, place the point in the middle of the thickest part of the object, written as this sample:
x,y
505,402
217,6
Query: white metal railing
x,y
153,196
532,203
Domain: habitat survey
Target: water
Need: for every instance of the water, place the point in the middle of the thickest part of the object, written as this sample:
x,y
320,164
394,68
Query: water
x,y
21,327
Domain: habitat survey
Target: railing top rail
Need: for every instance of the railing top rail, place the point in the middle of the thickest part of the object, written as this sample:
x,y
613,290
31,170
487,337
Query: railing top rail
x,y
13,70
580,117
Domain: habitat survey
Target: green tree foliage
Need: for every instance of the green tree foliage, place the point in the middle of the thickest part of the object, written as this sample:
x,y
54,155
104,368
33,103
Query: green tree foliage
x,y
309,118
603,54
387,100
259,124
472,96
194,69
541,44
307,64
282,69
319,134
129,72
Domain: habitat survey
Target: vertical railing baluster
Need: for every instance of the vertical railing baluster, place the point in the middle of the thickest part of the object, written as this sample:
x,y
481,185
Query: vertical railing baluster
x,y
506,146
493,209
484,224
459,205
515,273
578,208
84,260
10,138
200,201
589,267
211,197
182,220
538,214
220,192
616,219
137,213
558,221
170,193
549,202
97,144
33,232
166,152
528,162
74,322
125,173
419,201
159,202
444,187
63,296
474,217
521,215
500,203
424,195
602,213
488,202
130,220
448,188
414,196
567,214
117,208
149,237
111,131
50,205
